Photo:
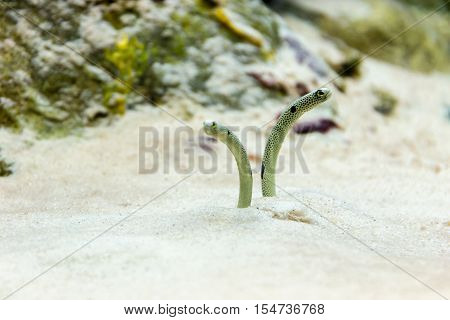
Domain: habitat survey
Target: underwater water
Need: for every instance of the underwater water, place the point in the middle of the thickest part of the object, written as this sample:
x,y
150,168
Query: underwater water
x,y
131,130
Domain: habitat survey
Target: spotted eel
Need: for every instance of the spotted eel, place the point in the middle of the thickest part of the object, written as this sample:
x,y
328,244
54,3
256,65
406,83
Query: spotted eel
x,y
224,134
288,117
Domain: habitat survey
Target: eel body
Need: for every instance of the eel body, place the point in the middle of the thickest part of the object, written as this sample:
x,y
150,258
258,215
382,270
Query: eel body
x,y
223,134
285,122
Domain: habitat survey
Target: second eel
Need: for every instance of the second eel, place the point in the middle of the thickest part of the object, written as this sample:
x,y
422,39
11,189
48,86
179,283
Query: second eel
x,y
287,118
224,134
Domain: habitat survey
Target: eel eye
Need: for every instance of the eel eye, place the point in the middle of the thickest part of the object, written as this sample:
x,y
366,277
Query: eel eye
x,y
293,109
320,93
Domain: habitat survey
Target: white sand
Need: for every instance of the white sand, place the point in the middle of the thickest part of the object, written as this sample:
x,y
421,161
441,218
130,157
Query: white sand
x,y
378,189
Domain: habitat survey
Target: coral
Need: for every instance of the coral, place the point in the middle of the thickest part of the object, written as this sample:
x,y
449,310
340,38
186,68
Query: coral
x,y
231,21
129,57
250,21
61,76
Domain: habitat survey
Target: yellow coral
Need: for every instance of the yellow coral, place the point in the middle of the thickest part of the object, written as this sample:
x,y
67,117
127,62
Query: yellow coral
x,y
120,104
249,34
123,42
233,22
129,56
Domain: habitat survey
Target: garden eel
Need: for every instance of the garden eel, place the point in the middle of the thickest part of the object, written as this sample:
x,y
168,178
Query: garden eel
x,y
224,134
287,118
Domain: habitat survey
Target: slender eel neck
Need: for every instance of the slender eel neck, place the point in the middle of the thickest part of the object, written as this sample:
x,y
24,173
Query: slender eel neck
x,y
288,117
222,133
245,171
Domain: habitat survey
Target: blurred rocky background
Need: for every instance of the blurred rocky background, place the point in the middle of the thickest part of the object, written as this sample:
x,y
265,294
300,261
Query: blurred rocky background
x,y
414,34
67,64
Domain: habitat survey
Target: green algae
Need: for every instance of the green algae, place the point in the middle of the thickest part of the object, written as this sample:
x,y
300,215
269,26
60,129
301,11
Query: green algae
x,y
7,120
50,103
13,104
5,168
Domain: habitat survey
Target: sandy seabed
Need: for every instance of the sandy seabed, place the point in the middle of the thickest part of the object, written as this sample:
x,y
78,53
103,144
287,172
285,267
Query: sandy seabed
x,y
371,219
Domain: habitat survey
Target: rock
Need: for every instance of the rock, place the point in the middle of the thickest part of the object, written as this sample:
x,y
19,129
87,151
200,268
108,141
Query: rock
x,y
101,53
5,168
98,33
95,111
43,107
386,102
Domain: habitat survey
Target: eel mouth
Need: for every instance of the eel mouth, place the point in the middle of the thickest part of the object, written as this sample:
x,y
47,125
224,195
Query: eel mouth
x,y
208,123
324,93
207,126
